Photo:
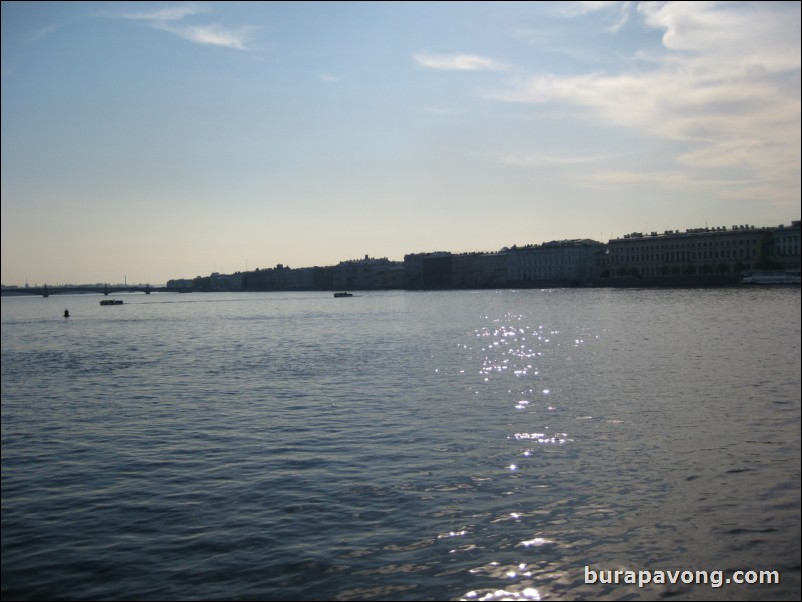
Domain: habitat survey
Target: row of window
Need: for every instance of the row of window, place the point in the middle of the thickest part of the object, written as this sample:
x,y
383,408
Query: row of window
x,y
787,245
683,246
684,256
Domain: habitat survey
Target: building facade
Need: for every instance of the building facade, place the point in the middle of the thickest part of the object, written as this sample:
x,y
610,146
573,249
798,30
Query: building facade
x,y
697,256
721,252
365,274
479,270
566,262
785,252
428,270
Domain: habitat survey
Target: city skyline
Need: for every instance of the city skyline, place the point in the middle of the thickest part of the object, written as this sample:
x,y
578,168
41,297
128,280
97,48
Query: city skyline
x,y
786,249
152,141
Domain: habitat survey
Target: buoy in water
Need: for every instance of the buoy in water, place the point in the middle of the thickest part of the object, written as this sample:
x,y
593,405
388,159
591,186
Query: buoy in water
x,y
66,313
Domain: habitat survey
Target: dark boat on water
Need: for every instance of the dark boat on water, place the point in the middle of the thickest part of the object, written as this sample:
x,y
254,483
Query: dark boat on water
x,y
343,294
111,302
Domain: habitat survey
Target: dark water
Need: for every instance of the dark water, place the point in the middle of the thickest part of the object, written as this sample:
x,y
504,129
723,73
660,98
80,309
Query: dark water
x,y
400,446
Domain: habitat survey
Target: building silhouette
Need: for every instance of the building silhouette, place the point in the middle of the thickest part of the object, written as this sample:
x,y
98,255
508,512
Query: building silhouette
x,y
697,256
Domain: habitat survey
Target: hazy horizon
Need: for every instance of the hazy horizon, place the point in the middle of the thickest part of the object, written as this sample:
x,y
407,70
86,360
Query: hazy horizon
x,y
159,140
124,281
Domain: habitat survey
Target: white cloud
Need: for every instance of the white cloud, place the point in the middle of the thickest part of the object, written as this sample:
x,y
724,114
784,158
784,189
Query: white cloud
x,y
458,62
729,38
329,79
669,102
174,13
574,9
619,10
663,179
213,35
726,82
42,32
171,19
685,181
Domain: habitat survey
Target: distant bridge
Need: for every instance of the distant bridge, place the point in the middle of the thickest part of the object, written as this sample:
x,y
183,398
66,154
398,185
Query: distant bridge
x,y
46,291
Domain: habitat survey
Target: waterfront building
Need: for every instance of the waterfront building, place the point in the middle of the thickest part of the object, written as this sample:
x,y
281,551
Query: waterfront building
x,y
363,274
479,270
715,253
697,256
268,279
428,270
298,279
392,277
323,278
279,278
785,251
180,284
559,262
225,282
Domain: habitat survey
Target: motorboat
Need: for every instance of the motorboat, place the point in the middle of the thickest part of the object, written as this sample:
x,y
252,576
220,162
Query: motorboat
x,y
111,302
343,294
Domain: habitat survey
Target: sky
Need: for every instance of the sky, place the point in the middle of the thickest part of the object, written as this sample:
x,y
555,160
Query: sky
x,y
147,141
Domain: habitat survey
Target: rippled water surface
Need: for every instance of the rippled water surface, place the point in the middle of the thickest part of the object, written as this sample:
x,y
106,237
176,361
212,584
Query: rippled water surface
x,y
399,446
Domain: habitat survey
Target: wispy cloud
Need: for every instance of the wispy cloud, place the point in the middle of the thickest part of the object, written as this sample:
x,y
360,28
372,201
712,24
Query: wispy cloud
x,y
172,20
617,12
42,32
174,13
742,188
726,84
459,62
540,160
582,8
328,79
212,35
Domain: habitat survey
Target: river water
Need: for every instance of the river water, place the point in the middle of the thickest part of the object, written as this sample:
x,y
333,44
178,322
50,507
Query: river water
x,y
400,445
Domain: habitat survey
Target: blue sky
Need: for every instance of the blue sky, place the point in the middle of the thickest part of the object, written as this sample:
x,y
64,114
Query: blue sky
x,y
148,141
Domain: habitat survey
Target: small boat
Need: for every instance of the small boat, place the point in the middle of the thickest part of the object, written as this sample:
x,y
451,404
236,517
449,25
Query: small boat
x,y
772,278
111,302
343,294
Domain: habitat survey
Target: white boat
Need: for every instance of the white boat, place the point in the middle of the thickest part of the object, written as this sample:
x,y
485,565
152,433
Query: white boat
x,y
776,278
